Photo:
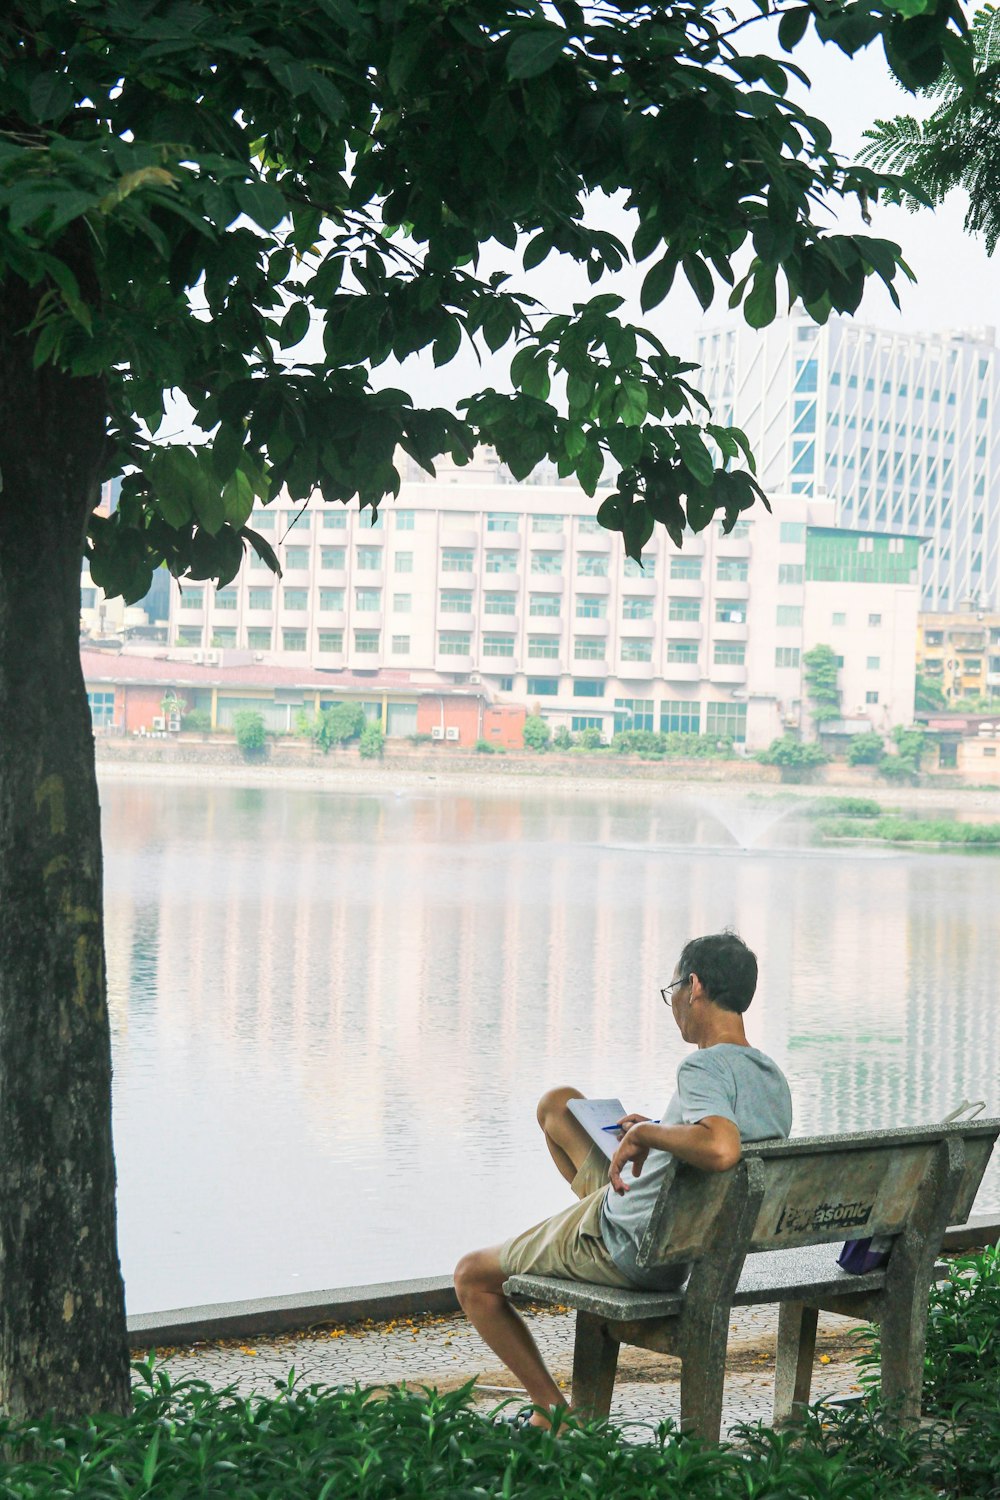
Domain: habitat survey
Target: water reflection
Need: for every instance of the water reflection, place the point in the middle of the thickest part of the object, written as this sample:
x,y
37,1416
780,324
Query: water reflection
x,y
333,1013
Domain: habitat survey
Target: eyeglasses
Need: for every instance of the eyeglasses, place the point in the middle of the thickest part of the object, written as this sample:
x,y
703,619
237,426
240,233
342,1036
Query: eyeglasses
x,y
667,990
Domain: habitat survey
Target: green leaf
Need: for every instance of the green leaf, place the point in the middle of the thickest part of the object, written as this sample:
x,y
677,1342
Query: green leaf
x,y
695,456
637,528
448,341
169,473
237,500
761,304
657,283
536,250
227,450
263,549
700,278
610,514
261,201
50,96
534,52
792,26
294,325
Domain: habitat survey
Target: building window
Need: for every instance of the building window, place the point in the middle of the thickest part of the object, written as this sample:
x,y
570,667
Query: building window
x,y
297,518
684,609
792,531
330,599
371,520
102,709
592,565
296,600
258,640
296,559
499,604
546,562
739,531
225,599
588,648
680,716
367,600
646,570
293,640
730,653
331,640
633,713
871,696
585,721
454,643
637,608
682,651
588,687
497,521
335,520
258,563
788,614
260,599
189,635
544,604
501,562
366,641
543,687
400,645
685,567
589,526
405,522
731,611
874,620
505,684
839,617
547,523
732,570
192,598
591,609
498,645
873,663
543,645
403,562
726,720
402,604
635,648
791,572
456,601
786,656
263,520
369,559
332,559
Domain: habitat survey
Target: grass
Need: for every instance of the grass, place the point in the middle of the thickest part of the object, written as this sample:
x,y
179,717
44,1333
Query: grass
x,y
889,828
187,1440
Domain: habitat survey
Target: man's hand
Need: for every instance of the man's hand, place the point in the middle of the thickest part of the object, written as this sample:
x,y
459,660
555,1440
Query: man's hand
x,y
631,1150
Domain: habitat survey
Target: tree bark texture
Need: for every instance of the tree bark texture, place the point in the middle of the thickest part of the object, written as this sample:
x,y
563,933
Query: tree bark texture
x,y
63,1341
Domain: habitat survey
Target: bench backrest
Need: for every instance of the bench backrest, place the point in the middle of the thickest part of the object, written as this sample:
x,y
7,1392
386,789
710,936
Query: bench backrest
x,y
819,1189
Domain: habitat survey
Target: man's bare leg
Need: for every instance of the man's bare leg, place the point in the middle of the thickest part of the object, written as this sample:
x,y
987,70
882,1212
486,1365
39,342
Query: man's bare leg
x,y
478,1282
568,1142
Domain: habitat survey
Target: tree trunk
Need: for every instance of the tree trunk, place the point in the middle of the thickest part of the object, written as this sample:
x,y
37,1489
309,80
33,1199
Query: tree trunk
x,y
63,1342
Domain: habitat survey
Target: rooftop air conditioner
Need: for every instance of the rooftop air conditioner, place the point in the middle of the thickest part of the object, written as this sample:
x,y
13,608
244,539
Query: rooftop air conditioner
x,y
198,656
159,723
451,734
212,658
174,725
437,733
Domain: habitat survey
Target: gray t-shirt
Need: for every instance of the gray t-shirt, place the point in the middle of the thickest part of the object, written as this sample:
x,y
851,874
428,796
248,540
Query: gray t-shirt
x,y
736,1083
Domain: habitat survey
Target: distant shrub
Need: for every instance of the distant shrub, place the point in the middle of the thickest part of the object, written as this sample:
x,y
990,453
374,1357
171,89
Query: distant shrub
x,y
198,721
331,726
536,733
590,739
844,807
372,742
865,749
796,761
420,739
484,747
562,739
251,737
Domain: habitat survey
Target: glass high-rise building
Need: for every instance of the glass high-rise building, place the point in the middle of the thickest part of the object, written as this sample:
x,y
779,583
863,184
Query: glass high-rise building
x,y
902,430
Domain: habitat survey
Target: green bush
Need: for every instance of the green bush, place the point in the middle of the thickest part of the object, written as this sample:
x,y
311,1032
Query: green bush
x,y
562,739
483,747
536,733
865,749
251,738
895,768
420,739
198,721
898,830
372,742
590,739
331,726
843,807
796,761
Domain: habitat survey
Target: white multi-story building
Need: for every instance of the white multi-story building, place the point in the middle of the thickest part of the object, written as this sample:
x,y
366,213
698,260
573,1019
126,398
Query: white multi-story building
x,y
517,588
902,430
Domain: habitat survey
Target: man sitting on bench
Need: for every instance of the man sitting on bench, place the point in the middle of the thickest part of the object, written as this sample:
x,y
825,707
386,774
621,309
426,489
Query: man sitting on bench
x,y
727,1092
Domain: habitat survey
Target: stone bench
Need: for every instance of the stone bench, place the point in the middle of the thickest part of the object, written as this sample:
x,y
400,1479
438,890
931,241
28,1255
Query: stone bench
x,y
769,1231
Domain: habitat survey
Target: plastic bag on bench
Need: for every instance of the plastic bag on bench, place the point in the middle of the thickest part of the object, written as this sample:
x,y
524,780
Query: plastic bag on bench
x,y
860,1256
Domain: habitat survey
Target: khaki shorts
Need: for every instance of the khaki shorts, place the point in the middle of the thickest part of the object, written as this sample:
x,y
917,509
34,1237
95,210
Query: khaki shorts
x,y
569,1244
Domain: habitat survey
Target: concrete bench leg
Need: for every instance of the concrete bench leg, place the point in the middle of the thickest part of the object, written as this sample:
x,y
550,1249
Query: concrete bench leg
x,y
793,1366
595,1361
703,1380
903,1336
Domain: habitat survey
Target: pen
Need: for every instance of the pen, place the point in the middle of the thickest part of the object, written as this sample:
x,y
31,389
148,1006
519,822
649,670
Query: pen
x,y
618,1127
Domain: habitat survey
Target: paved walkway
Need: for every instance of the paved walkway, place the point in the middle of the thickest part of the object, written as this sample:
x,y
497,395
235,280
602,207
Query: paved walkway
x,y
446,1352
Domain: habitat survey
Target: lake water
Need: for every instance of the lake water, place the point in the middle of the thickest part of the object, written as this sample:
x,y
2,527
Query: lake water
x,y
333,1013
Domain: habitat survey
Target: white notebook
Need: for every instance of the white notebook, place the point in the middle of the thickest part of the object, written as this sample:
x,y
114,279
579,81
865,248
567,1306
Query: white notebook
x,y
593,1115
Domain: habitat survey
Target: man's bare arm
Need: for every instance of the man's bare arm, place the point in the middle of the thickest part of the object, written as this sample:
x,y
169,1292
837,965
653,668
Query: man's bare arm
x,y
712,1145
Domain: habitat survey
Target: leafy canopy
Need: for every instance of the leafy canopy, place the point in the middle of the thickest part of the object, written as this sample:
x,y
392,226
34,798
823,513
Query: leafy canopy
x,y
190,185
959,144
